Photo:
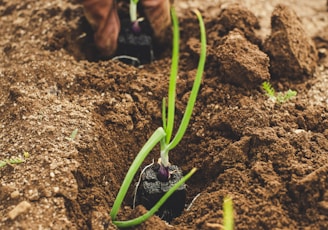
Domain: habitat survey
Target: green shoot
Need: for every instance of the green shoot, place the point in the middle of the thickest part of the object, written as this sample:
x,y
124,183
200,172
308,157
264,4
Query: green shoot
x,y
167,146
73,135
163,135
269,90
2,163
283,97
278,97
173,78
228,220
26,154
164,114
15,160
194,92
133,10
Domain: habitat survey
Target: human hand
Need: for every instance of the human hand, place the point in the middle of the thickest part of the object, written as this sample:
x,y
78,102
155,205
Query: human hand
x,y
103,17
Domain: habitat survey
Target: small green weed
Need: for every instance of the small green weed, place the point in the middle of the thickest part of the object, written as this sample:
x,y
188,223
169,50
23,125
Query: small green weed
x,y
15,160
73,135
280,97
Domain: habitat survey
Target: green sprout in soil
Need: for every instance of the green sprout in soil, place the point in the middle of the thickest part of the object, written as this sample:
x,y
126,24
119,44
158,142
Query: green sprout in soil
x,y
26,154
163,134
133,10
278,97
228,220
15,160
133,16
73,135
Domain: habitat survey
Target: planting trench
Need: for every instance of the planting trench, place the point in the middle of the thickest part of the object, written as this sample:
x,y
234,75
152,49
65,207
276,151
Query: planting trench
x,y
271,159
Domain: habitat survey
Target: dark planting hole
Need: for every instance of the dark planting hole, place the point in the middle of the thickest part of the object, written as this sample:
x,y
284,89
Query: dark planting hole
x,y
151,189
135,47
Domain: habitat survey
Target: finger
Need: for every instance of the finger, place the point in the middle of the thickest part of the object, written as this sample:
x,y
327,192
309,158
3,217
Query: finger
x,y
103,17
158,15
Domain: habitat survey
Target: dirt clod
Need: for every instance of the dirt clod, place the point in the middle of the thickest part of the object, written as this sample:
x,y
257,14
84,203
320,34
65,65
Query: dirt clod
x,y
241,62
235,16
21,208
292,52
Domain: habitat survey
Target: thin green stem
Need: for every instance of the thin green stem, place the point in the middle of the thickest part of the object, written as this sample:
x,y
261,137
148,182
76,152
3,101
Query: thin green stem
x,y
154,209
173,76
193,95
133,10
228,220
164,113
164,155
156,137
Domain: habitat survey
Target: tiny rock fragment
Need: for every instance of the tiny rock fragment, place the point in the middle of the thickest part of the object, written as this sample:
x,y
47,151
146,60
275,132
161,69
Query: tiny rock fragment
x,y
324,205
56,189
14,194
214,226
33,194
21,208
292,52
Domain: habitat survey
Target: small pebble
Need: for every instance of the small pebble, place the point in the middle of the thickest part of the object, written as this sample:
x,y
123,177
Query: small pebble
x,y
323,205
33,194
298,131
56,189
14,194
21,208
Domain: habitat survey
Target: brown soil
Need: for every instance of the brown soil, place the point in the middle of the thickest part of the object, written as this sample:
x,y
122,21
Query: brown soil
x,y
272,159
